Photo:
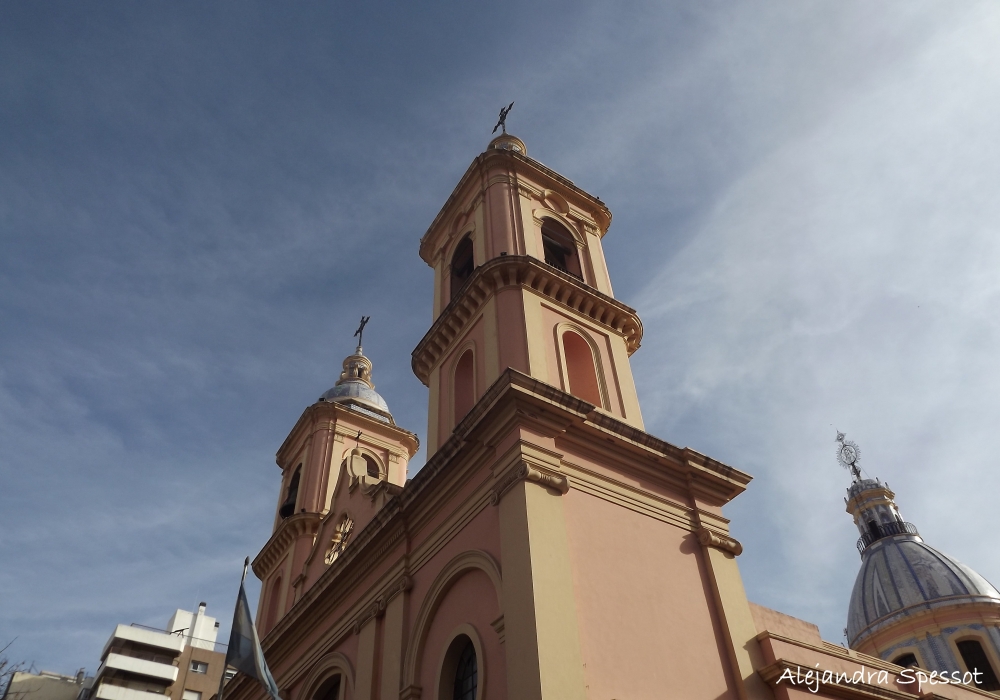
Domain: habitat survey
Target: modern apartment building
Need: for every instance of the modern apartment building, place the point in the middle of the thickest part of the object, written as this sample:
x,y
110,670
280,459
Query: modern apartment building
x,y
181,662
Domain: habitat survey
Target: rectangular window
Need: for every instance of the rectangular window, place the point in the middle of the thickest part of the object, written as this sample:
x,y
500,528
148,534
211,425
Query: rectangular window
x,y
199,667
191,695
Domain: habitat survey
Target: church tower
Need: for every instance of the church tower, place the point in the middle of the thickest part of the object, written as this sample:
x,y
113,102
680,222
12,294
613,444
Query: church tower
x,y
520,281
344,443
549,548
911,604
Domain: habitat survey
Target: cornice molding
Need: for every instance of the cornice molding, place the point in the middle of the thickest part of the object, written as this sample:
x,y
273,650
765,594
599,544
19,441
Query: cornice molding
x,y
325,415
528,273
518,165
290,529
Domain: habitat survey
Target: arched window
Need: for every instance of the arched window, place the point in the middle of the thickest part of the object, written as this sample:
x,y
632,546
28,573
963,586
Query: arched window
x,y
288,506
560,248
329,690
976,660
464,385
272,606
580,368
462,265
371,466
466,673
906,660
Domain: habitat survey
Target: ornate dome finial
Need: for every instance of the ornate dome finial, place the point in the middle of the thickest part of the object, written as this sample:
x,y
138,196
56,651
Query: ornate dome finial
x,y
357,368
355,387
509,142
849,454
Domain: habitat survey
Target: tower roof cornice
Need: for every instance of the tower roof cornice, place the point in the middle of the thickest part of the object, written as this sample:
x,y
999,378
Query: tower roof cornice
x,y
512,270
325,411
518,164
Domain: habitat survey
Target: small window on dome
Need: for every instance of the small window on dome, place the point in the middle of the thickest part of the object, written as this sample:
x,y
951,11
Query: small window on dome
x,y
978,663
906,661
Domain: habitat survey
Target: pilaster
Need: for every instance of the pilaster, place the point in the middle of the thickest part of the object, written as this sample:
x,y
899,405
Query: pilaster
x,y
738,627
542,639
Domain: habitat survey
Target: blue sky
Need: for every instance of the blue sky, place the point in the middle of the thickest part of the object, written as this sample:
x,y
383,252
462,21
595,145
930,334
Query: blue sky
x,y
198,201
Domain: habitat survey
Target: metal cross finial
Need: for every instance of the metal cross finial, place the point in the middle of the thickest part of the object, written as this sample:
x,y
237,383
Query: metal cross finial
x,y
503,119
357,440
359,334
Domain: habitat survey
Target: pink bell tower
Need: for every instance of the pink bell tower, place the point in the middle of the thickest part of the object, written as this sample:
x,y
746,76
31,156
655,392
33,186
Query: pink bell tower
x,y
520,281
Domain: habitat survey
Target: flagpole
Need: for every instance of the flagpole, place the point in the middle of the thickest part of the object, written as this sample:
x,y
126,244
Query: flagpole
x,y
222,680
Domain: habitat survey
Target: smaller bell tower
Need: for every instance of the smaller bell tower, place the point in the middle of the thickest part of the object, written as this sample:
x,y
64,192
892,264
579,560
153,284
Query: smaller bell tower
x,y
344,445
520,281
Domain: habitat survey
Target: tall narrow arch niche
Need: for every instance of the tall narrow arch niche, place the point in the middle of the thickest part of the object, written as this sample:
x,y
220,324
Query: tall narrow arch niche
x,y
462,264
582,365
464,385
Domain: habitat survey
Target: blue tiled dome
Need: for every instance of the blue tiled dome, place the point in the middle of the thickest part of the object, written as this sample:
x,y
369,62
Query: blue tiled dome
x,y
901,576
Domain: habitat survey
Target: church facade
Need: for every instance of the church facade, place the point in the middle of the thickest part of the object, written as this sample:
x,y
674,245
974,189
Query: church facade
x,y
550,547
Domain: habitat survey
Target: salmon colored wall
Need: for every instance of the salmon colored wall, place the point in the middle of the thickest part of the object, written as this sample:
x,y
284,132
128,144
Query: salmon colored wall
x,y
476,335
605,461
646,622
552,317
482,533
472,599
498,210
349,648
513,351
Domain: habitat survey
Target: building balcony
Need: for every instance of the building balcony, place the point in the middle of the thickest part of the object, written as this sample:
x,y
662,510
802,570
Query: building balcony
x,y
882,530
106,691
166,673
170,644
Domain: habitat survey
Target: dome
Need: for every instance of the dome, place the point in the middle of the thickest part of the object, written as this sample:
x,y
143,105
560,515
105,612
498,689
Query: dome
x,y
355,389
509,142
901,576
